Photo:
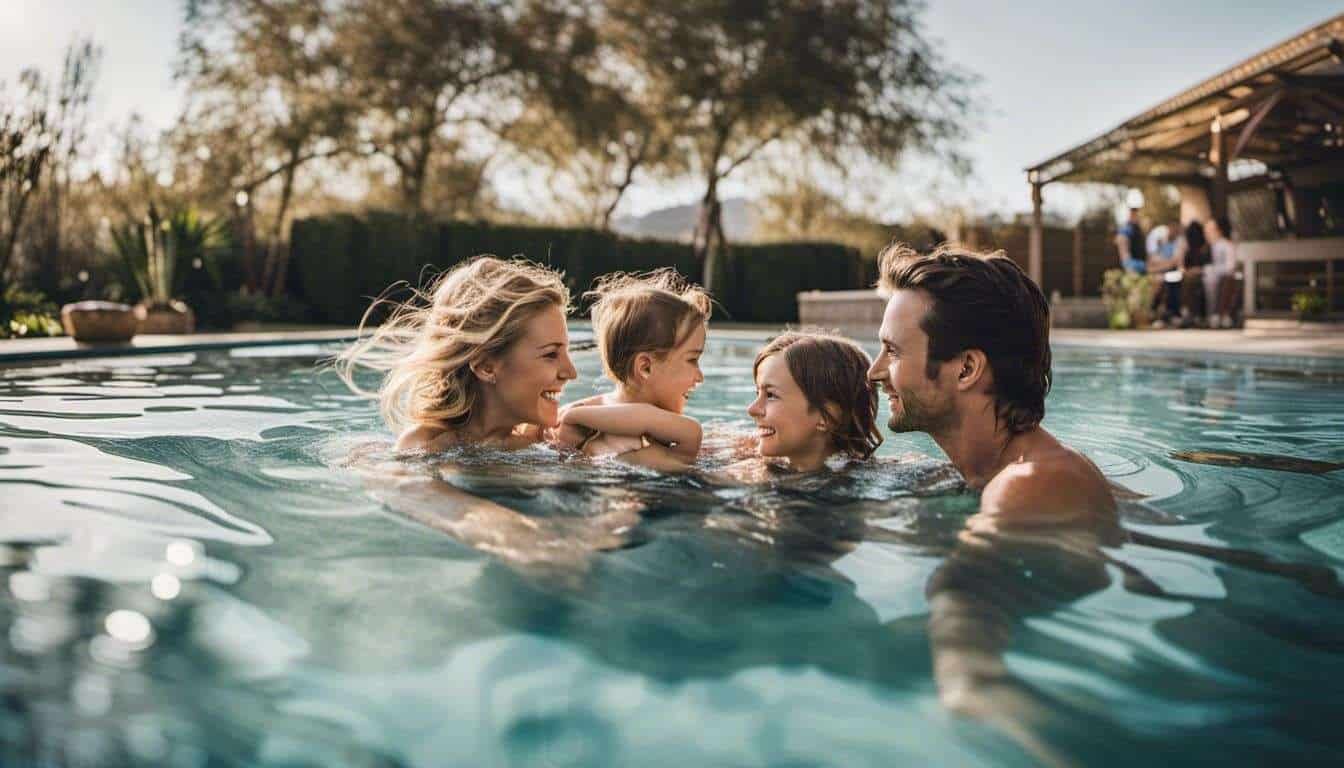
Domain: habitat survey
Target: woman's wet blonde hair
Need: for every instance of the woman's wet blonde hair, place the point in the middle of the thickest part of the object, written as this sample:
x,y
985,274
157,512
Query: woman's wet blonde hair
x,y
643,312
425,349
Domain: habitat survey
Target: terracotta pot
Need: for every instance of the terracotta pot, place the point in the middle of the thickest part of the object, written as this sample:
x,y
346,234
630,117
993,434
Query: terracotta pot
x,y
175,317
99,321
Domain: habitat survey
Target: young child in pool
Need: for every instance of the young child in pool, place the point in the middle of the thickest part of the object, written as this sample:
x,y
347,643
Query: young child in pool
x,y
813,401
650,331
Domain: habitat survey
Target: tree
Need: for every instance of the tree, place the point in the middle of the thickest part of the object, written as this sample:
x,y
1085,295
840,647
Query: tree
x,y
419,66
26,150
835,79
267,97
588,119
797,207
69,123
456,186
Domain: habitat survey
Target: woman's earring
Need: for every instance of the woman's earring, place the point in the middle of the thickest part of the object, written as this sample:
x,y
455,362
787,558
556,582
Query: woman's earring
x,y
821,426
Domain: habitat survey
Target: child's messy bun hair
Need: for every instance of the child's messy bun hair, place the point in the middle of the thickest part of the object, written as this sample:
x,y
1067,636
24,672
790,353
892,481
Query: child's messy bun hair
x,y
643,312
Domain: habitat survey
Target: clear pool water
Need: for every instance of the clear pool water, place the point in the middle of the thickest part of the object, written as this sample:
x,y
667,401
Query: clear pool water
x,y
206,561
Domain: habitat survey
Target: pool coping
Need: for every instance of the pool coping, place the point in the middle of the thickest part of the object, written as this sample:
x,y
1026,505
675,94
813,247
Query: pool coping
x,y
61,348
1290,351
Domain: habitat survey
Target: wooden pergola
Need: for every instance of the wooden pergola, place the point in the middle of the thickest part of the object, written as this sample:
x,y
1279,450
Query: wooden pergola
x,y
1269,117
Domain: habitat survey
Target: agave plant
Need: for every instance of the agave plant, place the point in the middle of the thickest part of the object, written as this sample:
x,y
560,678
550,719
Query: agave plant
x,y
158,250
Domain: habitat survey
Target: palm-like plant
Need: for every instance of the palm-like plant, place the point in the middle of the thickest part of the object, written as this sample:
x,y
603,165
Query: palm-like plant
x,y
157,250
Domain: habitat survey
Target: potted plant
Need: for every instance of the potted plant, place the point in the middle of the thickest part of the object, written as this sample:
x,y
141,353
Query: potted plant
x,y
157,252
1309,305
25,314
1128,298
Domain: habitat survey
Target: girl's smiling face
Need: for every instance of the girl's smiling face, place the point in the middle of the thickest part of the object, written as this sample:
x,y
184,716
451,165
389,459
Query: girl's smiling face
x,y
786,423
673,376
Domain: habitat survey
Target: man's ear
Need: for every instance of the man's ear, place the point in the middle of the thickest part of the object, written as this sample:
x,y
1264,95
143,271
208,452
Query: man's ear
x,y
973,371
484,370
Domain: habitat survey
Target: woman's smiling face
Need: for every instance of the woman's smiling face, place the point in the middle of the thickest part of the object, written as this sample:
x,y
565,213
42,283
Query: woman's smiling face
x,y
533,370
786,424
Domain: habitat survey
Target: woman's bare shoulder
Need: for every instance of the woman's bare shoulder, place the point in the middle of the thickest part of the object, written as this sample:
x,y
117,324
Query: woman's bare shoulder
x,y
425,437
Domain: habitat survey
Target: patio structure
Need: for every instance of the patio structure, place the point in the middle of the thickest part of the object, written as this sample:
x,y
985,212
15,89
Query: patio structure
x,y
1262,143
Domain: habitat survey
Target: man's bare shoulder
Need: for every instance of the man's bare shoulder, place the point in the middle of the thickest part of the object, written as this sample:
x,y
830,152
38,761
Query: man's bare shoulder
x,y
1055,483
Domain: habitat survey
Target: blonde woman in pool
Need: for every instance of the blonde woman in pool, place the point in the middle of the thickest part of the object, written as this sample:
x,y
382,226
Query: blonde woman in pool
x,y
480,357
650,330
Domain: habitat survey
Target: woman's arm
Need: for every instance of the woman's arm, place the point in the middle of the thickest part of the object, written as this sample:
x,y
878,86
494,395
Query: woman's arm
x,y
681,433
558,549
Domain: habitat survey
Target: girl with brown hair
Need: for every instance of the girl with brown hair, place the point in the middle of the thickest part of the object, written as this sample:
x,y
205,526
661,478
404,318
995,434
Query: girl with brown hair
x,y
813,400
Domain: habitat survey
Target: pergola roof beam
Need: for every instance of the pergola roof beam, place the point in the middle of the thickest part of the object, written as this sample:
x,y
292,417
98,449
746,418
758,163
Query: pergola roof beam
x,y
1254,123
1180,121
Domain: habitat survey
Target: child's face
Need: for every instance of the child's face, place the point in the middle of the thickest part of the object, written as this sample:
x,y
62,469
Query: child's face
x,y
534,369
786,424
675,374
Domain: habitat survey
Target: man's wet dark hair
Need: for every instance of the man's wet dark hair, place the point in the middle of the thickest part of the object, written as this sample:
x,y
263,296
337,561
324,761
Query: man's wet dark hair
x,y
981,301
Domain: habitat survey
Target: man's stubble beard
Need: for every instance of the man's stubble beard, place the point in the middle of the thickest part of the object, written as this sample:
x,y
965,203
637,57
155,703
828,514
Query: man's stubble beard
x,y
918,416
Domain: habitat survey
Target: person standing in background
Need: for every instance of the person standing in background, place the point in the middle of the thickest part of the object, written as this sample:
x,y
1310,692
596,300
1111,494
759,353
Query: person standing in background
x,y
1130,244
1219,275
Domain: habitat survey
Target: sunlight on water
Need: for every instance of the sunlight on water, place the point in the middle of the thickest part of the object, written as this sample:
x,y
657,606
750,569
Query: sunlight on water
x,y
216,558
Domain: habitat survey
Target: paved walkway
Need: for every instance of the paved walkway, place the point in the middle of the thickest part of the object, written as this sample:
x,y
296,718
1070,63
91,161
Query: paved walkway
x,y
64,346
1283,348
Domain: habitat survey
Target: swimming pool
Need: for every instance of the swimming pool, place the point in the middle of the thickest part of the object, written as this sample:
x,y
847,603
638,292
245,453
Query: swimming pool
x,y
197,573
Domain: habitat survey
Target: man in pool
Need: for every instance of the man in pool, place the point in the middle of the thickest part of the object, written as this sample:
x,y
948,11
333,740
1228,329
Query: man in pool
x,y
965,357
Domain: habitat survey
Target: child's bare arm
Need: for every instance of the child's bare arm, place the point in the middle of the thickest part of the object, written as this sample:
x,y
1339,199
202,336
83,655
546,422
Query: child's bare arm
x,y
570,436
637,419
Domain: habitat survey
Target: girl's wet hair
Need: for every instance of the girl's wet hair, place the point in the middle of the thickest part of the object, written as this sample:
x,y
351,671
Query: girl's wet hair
x,y
643,312
425,348
832,372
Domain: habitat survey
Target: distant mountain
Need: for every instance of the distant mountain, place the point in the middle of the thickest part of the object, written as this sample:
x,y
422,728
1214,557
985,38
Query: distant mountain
x,y
678,221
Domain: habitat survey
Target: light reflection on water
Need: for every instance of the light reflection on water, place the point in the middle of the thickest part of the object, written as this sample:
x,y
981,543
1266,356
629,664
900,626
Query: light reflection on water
x,y
213,558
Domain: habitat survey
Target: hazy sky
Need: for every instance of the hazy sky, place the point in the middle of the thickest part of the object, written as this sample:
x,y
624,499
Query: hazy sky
x,y
1053,74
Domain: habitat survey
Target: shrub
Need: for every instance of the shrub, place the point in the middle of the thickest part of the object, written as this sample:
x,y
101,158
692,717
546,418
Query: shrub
x,y
259,308
27,313
1127,297
1308,304
760,283
341,261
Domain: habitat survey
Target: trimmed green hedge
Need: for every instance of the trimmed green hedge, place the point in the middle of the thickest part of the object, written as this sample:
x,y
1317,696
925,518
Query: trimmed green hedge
x,y
342,261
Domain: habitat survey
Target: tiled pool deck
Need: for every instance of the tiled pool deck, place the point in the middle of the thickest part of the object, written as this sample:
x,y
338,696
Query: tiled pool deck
x,y
1281,348
65,347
